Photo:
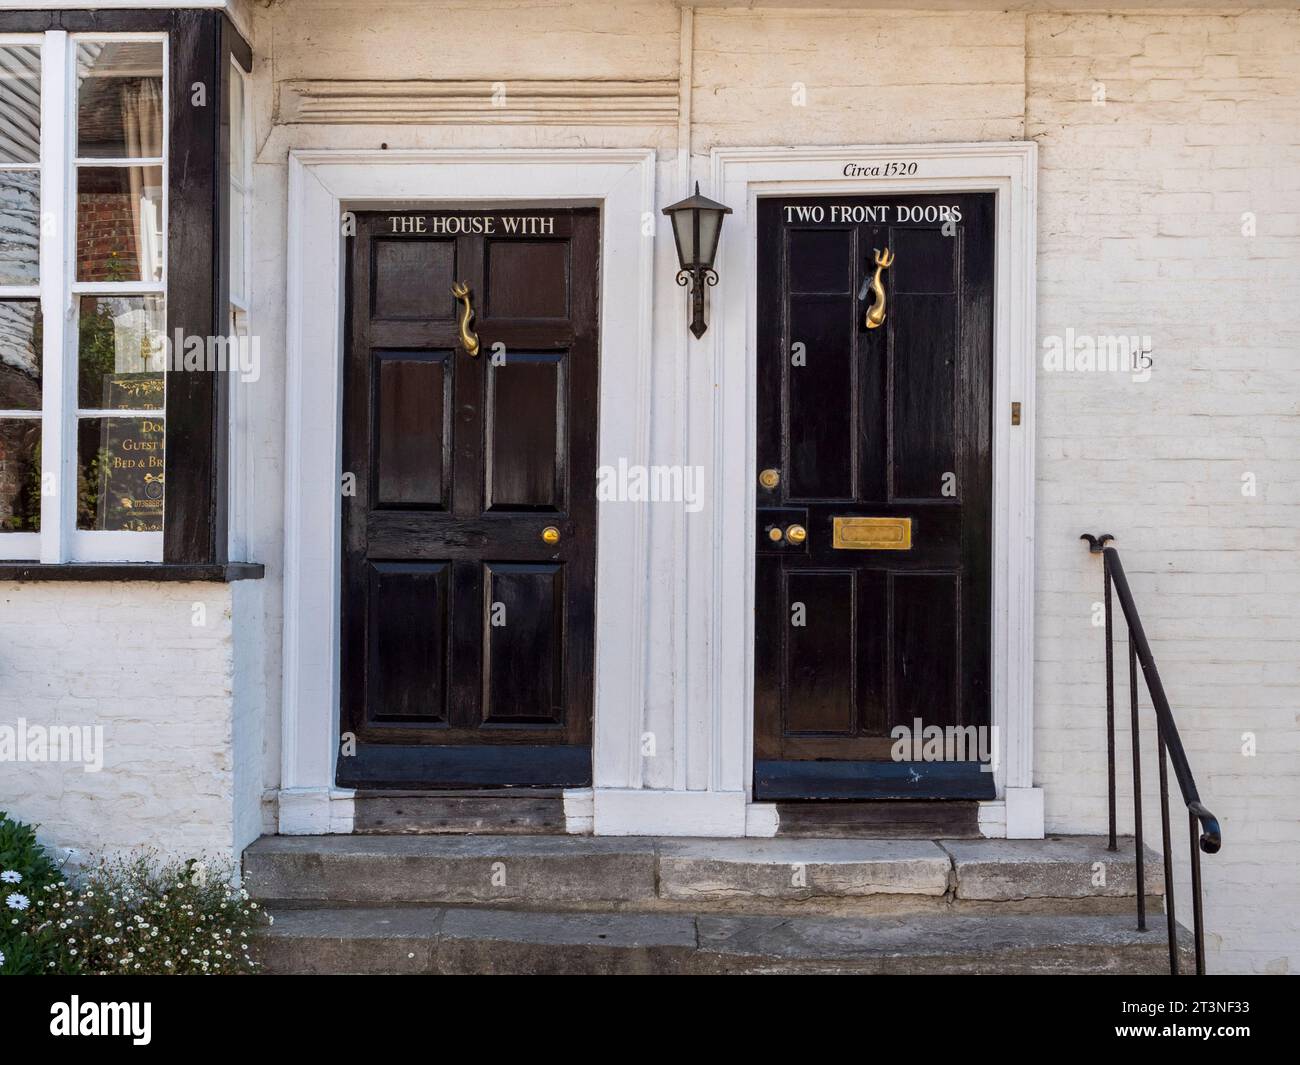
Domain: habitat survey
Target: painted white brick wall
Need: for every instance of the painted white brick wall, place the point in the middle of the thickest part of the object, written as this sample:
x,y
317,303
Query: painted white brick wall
x,y
1143,198
856,77
129,658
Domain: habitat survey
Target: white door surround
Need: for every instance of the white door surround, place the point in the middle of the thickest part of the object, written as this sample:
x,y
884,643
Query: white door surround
x,y
722,418
712,618
323,184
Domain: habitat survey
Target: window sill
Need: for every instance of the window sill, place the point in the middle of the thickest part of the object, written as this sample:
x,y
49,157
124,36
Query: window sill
x,y
132,571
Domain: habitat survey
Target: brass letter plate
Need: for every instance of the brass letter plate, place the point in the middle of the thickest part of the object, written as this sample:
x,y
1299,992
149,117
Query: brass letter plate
x,y
871,534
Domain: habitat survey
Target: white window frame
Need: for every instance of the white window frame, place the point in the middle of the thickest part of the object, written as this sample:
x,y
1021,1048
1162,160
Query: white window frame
x,y
27,545
59,539
242,495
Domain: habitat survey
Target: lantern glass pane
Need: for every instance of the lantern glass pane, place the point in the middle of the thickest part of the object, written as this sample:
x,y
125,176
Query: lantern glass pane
x,y
710,227
684,231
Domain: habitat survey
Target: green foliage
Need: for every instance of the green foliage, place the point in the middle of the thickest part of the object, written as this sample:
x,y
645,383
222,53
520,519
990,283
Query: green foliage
x,y
137,915
27,875
27,508
96,349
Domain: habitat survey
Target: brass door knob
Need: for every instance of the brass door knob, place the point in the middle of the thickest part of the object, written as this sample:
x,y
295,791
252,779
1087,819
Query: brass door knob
x,y
796,534
769,479
551,535
775,535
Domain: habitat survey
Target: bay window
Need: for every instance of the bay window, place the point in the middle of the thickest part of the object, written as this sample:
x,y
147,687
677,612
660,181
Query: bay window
x,y
117,265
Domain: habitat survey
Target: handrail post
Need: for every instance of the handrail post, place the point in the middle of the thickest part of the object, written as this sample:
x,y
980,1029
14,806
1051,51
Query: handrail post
x,y
1110,703
1097,546
1137,783
1198,926
1170,920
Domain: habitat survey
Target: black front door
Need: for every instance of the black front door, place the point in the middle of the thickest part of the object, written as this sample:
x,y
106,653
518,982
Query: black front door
x,y
469,509
872,603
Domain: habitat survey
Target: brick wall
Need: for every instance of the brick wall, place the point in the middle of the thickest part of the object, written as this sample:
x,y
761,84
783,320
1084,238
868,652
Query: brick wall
x,y
107,239
131,659
856,77
1143,199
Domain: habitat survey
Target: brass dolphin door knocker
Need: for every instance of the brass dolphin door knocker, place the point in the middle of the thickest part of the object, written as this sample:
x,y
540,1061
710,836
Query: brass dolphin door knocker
x,y
876,312
468,338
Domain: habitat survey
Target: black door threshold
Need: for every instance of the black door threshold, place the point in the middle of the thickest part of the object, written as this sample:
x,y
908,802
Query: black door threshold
x,y
777,781
405,767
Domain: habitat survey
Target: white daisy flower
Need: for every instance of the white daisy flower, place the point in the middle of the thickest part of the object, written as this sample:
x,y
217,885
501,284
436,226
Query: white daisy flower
x,y
11,876
16,901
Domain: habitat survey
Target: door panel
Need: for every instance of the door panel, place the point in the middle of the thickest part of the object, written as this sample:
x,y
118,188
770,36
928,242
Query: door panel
x,y
528,279
526,433
408,640
524,634
412,278
926,648
820,414
411,438
820,653
885,435
463,631
923,427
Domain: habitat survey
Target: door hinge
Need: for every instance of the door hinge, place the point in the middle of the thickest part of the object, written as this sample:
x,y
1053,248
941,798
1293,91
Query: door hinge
x,y
1015,414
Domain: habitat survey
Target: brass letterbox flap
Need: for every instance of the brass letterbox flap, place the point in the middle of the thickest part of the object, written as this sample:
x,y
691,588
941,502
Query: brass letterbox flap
x,y
871,534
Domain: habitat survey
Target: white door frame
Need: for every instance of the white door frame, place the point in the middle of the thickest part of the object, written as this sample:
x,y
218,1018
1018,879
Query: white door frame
x,y
322,185
722,418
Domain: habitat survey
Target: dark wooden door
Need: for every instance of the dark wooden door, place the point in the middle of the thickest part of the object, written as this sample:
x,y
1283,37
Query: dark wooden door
x,y
880,443
467,637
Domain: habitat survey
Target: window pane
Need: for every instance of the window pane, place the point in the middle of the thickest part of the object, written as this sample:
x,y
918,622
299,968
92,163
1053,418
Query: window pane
x,y
237,154
121,352
120,474
119,223
237,265
20,103
20,226
119,99
20,474
20,355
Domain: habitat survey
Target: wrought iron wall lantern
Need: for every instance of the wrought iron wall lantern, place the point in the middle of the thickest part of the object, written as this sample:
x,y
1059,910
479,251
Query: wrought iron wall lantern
x,y
697,224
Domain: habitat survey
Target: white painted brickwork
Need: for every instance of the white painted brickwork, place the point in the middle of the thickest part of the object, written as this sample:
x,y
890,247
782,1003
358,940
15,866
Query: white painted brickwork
x,y
1141,204
1140,232
871,77
128,658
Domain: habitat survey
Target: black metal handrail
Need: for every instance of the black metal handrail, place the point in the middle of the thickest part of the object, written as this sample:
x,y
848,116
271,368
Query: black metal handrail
x,y
1169,750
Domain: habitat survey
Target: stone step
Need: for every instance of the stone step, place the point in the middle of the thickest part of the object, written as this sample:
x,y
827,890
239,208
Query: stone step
x,y
751,876
451,941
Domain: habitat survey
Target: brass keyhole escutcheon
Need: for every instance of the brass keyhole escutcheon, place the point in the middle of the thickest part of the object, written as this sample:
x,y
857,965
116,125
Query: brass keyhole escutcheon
x,y
775,535
468,338
876,312
769,479
551,535
796,534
